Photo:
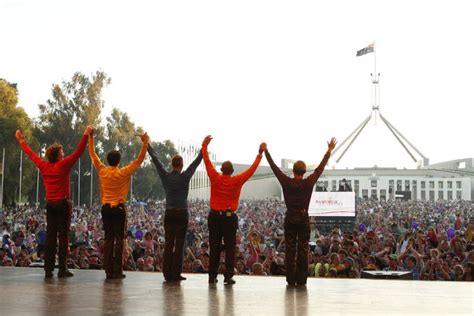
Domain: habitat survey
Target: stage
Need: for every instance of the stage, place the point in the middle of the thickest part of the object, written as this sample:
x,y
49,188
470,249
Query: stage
x,y
24,291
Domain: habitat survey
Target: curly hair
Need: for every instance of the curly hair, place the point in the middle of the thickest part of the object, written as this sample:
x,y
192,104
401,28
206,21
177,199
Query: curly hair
x,y
52,152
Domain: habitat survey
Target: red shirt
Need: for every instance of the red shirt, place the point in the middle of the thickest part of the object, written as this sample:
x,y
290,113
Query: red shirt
x,y
55,175
225,189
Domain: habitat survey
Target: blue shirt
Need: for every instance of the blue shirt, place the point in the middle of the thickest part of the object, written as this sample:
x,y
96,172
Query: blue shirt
x,y
176,184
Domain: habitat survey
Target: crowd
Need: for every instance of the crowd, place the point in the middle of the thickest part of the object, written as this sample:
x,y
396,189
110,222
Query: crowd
x,y
433,240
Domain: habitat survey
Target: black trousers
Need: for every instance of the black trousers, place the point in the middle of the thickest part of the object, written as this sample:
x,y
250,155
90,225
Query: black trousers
x,y
114,220
176,225
222,225
297,233
58,219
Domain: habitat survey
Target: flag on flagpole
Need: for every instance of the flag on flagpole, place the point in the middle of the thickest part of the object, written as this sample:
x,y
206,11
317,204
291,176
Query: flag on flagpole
x,y
365,50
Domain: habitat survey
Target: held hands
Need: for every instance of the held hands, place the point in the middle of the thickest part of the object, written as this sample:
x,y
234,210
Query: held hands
x,y
262,148
19,136
89,130
332,144
144,137
206,140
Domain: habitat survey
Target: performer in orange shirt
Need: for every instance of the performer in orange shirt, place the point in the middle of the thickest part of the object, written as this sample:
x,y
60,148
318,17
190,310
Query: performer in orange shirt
x,y
222,220
114,186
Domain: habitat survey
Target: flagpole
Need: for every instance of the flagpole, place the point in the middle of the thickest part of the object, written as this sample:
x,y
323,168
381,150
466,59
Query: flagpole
x,y
37,182
79,184
92,177
3,176
21,173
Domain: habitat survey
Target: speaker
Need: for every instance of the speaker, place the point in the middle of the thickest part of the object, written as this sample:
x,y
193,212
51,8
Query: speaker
x,y
390,275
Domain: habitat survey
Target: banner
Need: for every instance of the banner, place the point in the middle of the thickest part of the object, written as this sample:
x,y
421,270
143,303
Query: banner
x,y
330,204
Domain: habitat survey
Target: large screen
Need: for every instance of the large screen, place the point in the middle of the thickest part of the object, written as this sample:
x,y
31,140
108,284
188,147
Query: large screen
x,y
330,204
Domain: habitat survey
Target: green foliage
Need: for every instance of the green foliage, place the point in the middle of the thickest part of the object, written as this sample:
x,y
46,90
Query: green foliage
x,y
12,118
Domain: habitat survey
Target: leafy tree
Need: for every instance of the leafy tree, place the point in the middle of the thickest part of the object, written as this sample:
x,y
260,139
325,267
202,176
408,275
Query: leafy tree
x,y
12,118
74,105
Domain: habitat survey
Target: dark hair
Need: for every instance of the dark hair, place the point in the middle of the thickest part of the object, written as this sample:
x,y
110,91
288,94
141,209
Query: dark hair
x,y
113,158
52,152
177,161
227,168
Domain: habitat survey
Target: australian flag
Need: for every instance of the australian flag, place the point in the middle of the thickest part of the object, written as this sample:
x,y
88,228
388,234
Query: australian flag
x,y
365,50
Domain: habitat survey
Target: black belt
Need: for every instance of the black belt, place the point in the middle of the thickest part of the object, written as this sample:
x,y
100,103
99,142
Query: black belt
x,y
114,206
227,213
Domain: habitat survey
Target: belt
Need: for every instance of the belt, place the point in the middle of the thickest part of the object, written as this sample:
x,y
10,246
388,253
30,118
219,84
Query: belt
x,y
226,213
112,206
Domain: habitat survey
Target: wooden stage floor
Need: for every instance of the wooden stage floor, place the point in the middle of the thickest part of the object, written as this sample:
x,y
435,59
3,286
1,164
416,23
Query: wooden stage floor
x,y
24,291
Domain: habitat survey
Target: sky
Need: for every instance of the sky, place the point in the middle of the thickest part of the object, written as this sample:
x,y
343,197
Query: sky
x,y
284,72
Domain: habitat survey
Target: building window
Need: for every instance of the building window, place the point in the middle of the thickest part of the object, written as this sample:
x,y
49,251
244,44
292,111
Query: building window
x,y
458,195
373,183
431,184
399,185
407,185
374,194
440,195
334,185
440,184
365,194
423,184
423,195
432,196
458,185
383,194
450,184
450,195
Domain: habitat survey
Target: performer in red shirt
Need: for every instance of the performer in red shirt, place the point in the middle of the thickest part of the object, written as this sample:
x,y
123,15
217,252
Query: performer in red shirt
x,y
222,220
56,178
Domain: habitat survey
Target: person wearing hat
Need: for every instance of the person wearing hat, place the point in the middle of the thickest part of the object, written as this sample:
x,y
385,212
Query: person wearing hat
x,y
176,185
393,263
56,178
222,219
297,192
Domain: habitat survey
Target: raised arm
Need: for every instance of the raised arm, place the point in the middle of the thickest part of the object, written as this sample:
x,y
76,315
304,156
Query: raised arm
x,y
244,176
277,171
134,165
33,156
193,166
211,171
77,153
94,158
156,161
319,170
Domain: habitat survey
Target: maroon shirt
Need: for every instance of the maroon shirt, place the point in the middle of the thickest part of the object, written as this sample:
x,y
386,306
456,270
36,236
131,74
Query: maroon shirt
x,y
297,192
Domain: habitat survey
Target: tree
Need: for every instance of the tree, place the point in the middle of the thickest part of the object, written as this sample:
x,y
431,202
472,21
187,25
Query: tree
x,y
148,184
12,118
74,105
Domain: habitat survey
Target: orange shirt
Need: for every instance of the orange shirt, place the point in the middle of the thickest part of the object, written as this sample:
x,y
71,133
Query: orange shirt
x,y
115,181
225,190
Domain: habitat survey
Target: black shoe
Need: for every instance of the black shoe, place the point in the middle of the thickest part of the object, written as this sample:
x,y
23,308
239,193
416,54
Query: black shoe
x,y
119,276
229,281
48,274
212,280
301,284
65,274
180,278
